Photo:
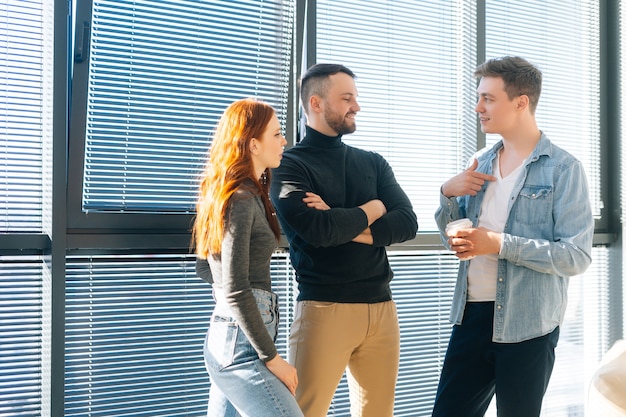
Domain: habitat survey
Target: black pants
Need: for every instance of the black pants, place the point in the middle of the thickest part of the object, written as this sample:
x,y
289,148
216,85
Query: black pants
x,y
475,368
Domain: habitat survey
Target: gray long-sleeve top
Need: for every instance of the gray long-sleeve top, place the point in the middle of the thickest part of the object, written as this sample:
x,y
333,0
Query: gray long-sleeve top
x,y
244,264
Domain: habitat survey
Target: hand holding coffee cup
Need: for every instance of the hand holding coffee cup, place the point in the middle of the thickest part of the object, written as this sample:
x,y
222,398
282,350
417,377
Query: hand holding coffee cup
x,y
455,225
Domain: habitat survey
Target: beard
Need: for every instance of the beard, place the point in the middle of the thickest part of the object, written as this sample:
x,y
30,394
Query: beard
x,y
339,123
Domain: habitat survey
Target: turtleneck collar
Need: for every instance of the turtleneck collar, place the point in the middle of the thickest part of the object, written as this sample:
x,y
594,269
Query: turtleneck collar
x,y
317,139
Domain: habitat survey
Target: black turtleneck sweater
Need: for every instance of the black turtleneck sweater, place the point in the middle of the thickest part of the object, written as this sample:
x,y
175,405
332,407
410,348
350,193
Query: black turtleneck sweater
x,y
329,266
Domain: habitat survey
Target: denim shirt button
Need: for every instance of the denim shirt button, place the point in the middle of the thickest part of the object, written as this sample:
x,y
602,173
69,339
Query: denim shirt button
x,y
499,307
500,279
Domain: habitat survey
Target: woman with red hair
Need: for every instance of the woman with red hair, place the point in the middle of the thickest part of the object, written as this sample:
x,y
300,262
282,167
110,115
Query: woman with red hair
x,y
235,234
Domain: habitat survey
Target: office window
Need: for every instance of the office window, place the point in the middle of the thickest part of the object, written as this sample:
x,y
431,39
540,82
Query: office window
x,y
414,63
161,73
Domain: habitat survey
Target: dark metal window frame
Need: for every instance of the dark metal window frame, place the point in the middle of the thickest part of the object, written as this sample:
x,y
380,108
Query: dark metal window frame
x,y
74,231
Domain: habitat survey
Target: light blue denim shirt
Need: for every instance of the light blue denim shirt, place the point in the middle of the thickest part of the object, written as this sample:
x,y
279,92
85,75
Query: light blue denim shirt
x,y
547,238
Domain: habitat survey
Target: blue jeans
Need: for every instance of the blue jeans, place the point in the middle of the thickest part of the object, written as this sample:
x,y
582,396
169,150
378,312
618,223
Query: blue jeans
x,y
475,368
241,384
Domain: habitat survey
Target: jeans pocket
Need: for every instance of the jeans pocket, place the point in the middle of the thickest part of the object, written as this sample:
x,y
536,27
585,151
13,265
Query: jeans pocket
x,y
221,342
269,315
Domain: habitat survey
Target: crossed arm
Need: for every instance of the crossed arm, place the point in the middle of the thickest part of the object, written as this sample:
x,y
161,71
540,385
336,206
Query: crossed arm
x,y
374,210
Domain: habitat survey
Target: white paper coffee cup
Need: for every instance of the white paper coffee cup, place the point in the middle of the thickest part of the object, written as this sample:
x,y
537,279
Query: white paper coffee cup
x,y
460,224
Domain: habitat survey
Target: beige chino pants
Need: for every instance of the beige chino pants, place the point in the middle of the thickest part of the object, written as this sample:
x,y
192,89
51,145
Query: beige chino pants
x,y
326,338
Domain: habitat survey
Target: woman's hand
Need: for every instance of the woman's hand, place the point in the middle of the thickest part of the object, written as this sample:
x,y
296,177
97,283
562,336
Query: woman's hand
x,y
315,201
283,371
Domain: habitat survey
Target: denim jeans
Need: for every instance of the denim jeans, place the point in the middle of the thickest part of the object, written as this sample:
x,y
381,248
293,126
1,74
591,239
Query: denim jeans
x,y
241,384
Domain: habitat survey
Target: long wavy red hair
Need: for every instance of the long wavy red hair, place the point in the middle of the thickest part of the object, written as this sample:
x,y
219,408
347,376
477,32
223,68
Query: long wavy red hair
x,y
229,165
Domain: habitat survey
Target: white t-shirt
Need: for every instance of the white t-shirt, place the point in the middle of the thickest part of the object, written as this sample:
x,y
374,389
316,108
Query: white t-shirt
x,y
483,270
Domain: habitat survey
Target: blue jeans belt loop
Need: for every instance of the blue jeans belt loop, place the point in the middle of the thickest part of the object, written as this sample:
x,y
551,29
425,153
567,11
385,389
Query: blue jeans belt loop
x,y
263,298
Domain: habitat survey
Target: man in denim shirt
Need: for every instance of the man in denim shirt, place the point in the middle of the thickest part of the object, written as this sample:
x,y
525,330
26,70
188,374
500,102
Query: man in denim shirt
x,y
533,227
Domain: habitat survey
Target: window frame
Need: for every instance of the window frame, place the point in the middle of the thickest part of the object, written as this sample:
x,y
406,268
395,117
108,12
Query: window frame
x,y
135,231
72,231
101,229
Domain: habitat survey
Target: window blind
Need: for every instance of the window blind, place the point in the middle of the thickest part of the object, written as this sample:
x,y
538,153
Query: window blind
x,y
161,73
422,288
20,336
135,334
413,62
24,101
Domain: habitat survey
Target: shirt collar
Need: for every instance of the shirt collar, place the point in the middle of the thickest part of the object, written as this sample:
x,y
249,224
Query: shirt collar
x,y
320,140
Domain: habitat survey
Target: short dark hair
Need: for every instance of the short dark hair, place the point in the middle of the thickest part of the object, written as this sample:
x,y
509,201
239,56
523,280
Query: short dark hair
x,y
315,81
520,77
